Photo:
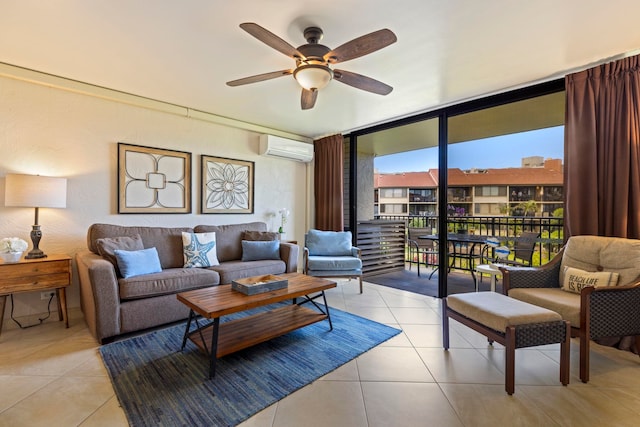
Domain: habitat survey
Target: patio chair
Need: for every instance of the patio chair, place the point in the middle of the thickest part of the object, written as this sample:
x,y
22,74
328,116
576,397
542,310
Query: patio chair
x,y
331,254
522,251
422,251
605,307
524,248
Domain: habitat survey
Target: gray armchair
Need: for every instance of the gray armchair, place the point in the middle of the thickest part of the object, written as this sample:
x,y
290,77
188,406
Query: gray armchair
x,y
331,254
595,312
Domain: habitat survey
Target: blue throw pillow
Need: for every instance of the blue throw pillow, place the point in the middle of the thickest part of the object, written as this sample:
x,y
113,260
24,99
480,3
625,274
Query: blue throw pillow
x,y
328,243
259,250
135,263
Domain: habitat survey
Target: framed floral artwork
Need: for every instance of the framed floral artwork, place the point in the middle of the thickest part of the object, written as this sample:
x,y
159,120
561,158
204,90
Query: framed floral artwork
x,y
227,185
153,180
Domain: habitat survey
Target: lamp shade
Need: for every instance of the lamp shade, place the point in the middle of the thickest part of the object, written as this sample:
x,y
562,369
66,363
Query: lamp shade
x,y
35,191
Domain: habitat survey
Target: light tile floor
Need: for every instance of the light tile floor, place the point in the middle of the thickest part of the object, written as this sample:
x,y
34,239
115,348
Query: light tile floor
x,y
52,376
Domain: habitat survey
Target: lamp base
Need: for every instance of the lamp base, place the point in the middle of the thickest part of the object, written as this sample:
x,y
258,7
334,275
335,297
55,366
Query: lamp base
x,y
36,235
35,254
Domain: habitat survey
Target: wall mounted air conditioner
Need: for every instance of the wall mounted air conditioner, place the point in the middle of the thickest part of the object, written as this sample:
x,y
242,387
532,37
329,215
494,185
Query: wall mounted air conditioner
x,y
276,146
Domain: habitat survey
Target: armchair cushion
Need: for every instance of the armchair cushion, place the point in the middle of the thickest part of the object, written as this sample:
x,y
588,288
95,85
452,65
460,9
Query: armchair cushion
x,y
597,253
567,304
328,243
575,279
334,263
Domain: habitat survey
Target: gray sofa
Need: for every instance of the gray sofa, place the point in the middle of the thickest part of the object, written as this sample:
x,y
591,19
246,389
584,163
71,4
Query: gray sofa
x,y
113,305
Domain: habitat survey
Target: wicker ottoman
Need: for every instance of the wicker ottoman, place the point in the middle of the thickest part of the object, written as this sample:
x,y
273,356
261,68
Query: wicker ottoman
x,y
510,322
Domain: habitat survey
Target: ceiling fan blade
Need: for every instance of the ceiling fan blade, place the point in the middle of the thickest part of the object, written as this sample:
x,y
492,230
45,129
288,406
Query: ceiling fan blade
x,y
270,39
308,99
361,46
259,78
362,82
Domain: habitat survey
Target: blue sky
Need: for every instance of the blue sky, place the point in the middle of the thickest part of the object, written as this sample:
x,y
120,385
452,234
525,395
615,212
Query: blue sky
x,y
496,152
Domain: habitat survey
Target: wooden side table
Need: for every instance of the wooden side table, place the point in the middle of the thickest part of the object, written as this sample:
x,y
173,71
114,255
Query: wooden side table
x,y
30,275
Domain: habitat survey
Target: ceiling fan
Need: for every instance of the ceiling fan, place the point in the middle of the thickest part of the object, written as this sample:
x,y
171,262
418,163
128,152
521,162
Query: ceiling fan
x,y
313,61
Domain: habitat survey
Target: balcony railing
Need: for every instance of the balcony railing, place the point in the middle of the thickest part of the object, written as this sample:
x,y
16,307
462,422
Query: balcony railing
x,y
551,229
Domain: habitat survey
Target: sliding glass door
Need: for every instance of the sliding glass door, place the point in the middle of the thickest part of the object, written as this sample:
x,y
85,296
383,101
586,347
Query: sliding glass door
x,y
500,173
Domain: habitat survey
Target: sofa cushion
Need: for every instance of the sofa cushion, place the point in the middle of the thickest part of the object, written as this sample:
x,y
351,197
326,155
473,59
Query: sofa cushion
x,y
199,249
328,243
142,313
229,238
232,270
598,253
334,263
567,304
576,279
166,240
259,250
260,235
107,245
169,281
135,263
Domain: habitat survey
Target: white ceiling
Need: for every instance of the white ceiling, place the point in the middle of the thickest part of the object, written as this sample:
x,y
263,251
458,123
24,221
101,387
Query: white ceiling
x,y
183,52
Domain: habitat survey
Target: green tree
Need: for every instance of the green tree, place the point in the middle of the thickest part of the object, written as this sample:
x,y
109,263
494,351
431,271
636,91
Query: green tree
x,y
529,208
416,223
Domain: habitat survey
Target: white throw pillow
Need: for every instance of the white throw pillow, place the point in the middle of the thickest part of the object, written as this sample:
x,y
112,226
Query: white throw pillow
x,y
199,249
576,279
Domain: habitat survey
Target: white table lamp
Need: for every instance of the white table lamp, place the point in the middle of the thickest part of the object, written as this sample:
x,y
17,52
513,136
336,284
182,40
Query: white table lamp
x,y
35,191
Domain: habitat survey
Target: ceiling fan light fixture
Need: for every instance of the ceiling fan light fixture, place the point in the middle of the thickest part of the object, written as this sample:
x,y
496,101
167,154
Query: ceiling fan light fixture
x,y
314,60
313,76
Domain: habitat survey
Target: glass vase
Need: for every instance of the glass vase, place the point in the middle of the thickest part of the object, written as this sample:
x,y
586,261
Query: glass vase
x,y
11,257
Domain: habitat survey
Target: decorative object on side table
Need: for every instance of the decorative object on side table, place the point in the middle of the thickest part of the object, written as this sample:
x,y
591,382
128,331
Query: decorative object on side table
x,y
284,214
12,248
35,191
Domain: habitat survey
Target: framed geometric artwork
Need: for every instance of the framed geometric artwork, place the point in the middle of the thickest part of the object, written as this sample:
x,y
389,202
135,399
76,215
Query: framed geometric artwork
x,y
153,180
226,185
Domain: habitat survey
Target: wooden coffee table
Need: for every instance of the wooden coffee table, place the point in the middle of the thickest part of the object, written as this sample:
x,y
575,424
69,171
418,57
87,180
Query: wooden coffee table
x,y
218,340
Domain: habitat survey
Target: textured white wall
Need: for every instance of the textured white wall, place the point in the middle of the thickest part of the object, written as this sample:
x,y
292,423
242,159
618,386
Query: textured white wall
x,y
54,132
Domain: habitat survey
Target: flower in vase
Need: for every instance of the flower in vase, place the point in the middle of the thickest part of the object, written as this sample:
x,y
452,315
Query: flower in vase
x,y
13,244
284,213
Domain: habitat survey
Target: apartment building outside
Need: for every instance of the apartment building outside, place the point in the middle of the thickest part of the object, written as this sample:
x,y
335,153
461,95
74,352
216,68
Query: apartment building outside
x,y
534,189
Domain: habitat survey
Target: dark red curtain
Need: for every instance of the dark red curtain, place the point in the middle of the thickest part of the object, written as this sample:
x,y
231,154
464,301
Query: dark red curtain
x,y
328,179
602,150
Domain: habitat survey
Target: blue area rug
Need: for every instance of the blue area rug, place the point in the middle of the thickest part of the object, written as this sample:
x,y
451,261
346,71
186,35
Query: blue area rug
x,y
158,385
